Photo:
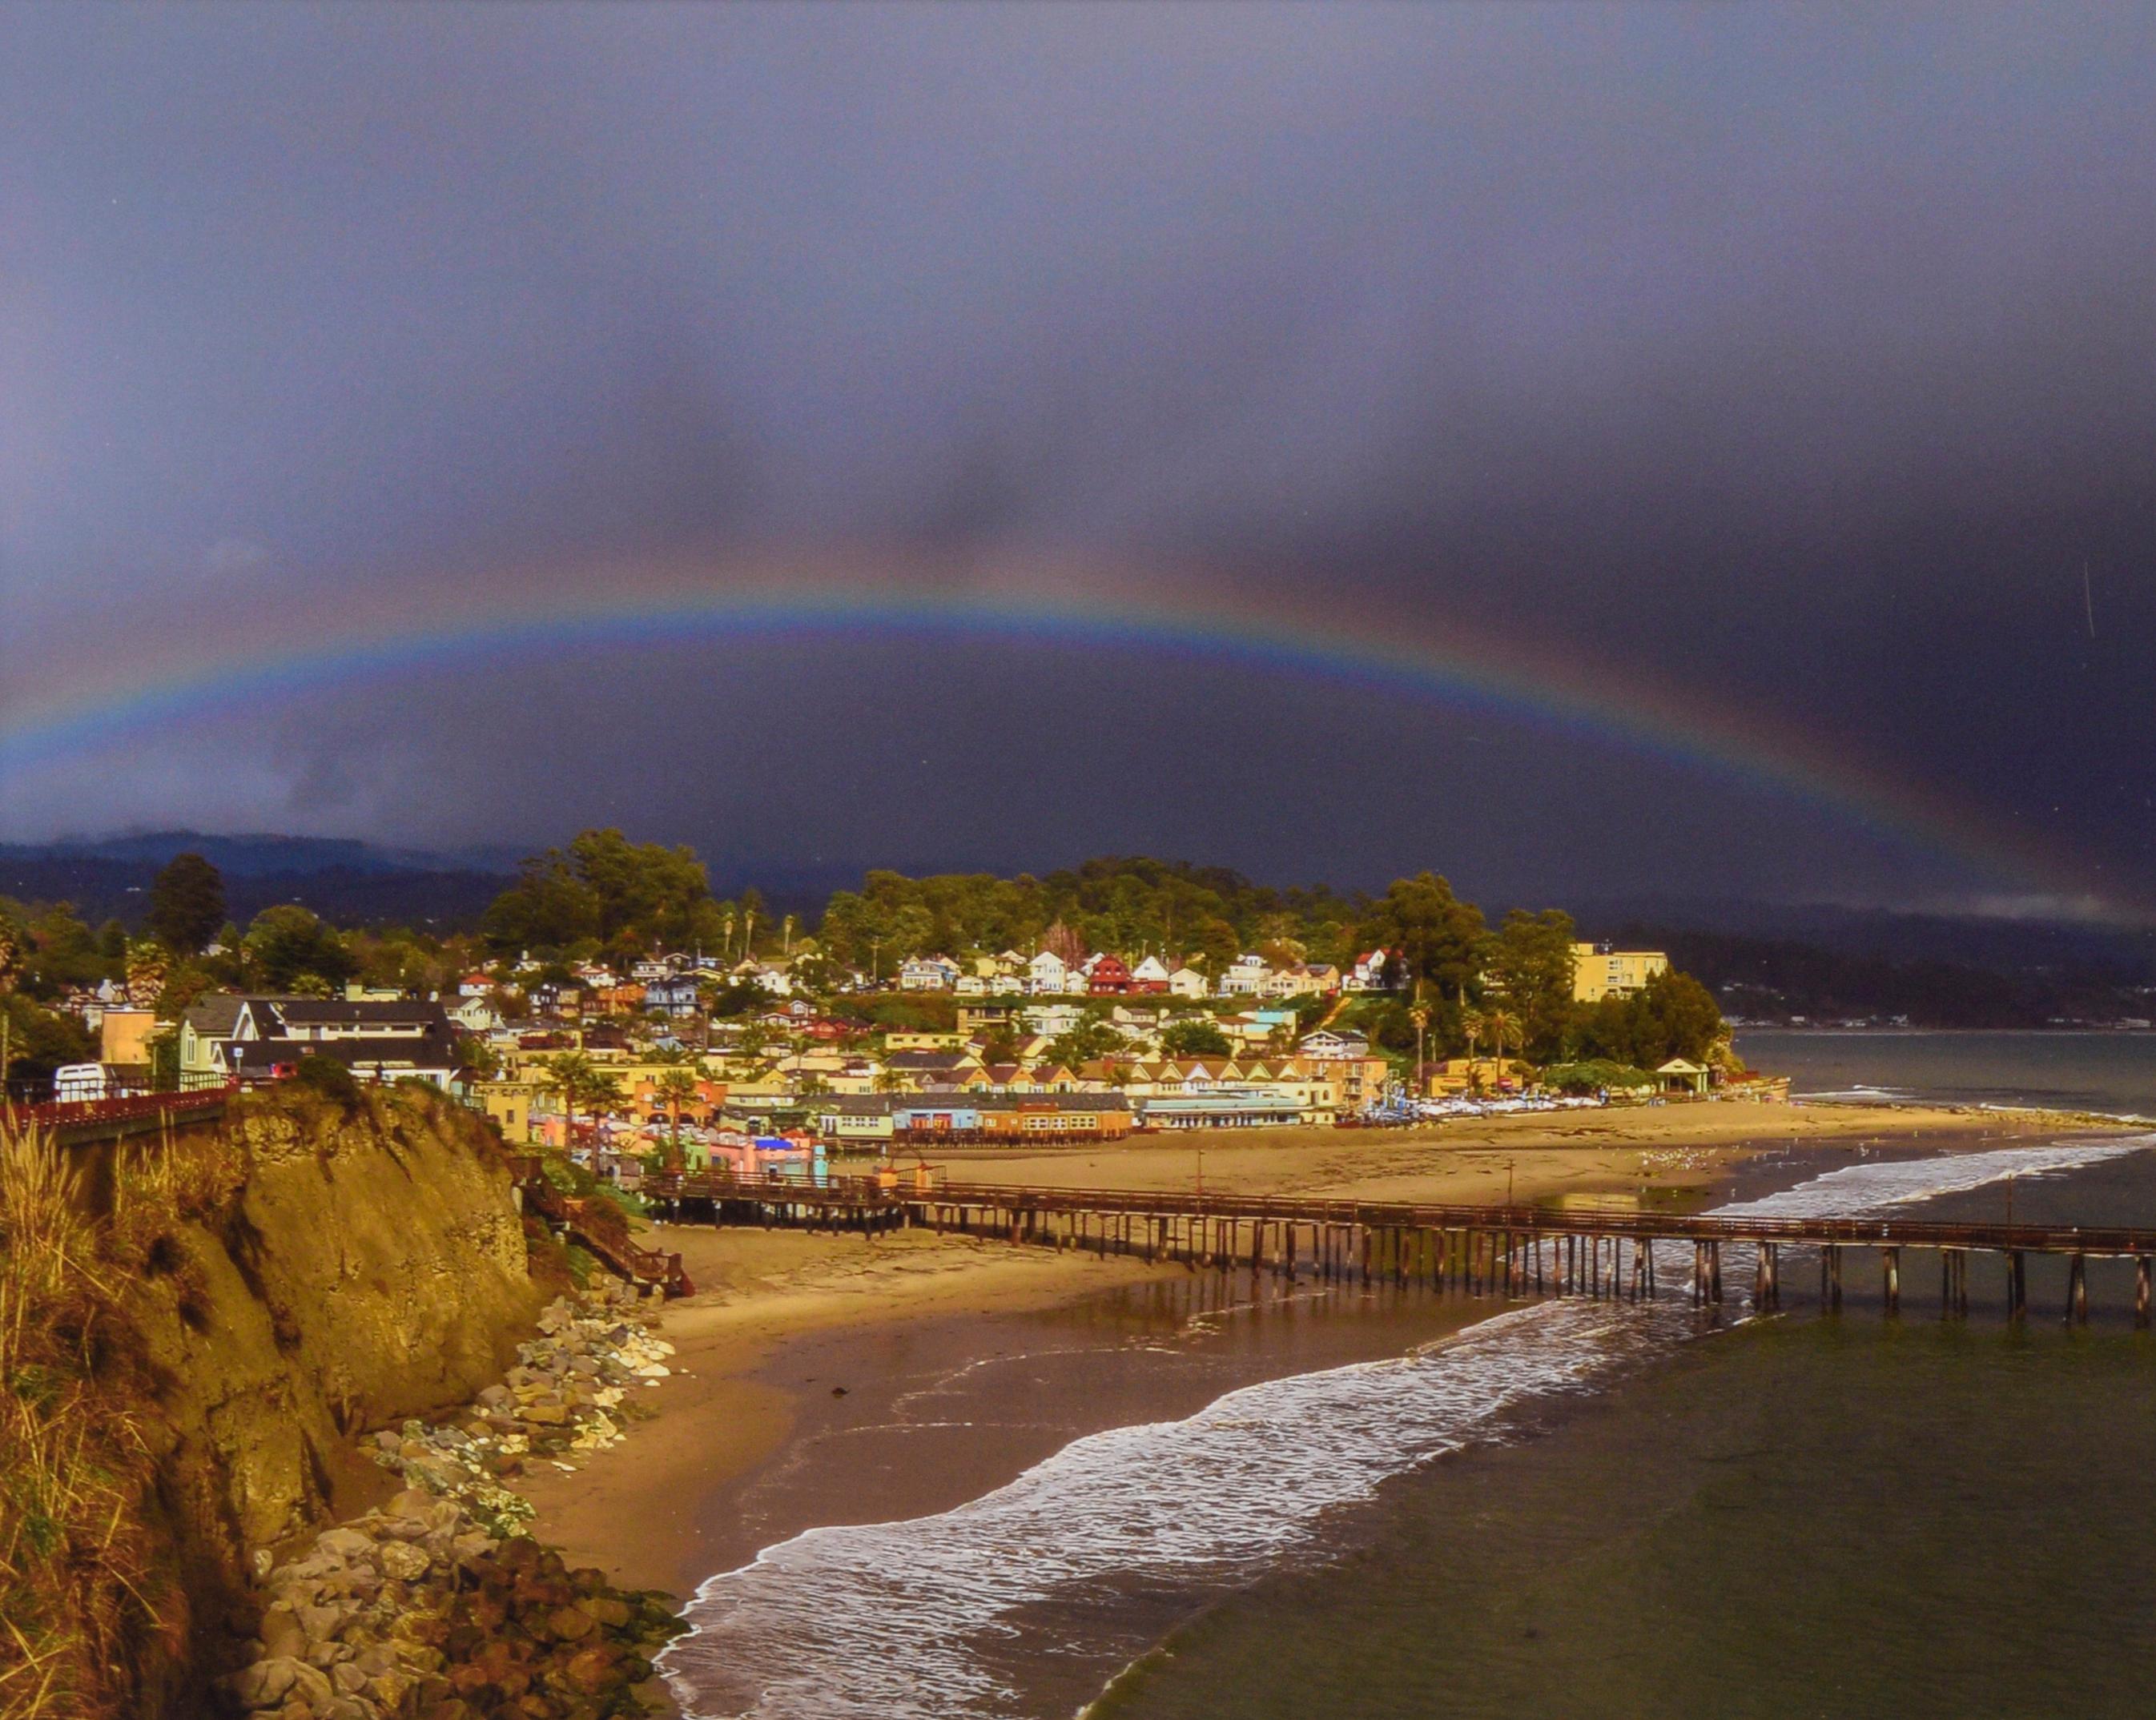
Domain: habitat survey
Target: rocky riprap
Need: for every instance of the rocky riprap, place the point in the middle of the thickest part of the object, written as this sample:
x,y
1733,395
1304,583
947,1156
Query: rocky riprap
x,y
437,1606
568,1395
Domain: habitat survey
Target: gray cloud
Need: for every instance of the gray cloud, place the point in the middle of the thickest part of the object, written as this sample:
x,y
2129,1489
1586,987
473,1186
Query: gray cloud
x,y
1795,358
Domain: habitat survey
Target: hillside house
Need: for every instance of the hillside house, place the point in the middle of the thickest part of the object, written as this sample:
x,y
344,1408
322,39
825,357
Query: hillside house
x,y
1373,971
927,974
1108,976
257,1039
1150,978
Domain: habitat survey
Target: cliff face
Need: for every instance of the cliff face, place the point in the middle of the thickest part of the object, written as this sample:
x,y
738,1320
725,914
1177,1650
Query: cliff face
x,y
368,1266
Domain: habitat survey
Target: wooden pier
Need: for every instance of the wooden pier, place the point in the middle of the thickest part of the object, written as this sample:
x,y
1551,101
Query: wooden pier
x,y
1504,1250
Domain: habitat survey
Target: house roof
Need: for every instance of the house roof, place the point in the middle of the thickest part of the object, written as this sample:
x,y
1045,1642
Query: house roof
x,y
431,1050
215,1016
927,1061
313,1012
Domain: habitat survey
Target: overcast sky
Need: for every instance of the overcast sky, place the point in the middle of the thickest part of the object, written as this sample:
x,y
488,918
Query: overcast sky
x,y
1800,361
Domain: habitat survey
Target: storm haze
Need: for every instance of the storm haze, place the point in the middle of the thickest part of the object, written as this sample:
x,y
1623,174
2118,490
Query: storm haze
x,y
1789,369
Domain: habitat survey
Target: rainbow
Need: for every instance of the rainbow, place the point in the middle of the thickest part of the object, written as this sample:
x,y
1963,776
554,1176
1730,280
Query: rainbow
x,y
1466,671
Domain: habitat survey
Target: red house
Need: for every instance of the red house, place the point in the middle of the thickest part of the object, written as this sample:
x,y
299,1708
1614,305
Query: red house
x,y
1110,977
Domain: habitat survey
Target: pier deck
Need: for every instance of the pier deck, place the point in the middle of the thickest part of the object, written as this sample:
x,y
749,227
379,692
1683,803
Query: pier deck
x,y
1513,1249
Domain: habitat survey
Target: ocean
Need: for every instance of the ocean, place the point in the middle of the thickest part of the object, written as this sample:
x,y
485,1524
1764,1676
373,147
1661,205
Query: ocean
x,y
2112,1073
1576,1507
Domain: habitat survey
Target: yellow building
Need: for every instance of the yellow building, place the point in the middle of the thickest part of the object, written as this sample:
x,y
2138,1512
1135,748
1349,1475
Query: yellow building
x,y
509,1103
903,1040
124,1037
1598,972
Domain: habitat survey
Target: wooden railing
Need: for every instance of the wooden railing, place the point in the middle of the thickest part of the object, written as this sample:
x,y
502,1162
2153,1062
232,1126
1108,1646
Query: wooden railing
x,y
844,1192
79,1118
601,1228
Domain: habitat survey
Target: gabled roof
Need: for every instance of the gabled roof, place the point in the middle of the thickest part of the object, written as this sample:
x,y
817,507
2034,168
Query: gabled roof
x,y
215,1016
322,1012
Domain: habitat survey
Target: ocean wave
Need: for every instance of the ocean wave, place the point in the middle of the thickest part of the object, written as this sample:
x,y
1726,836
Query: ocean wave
x,y
1863,1188
911,1619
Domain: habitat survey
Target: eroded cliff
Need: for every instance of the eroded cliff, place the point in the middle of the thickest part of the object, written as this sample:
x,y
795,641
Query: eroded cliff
x,y
263,1295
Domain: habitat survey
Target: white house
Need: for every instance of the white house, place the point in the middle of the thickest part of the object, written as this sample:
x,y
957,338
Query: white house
x,y
1189,983
927,974
1330,1044
474,1014
1245,976
1050,1019
1047,975
1152,972
1370,973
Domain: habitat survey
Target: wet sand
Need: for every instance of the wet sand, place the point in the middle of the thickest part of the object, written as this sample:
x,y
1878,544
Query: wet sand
x,y
637,1510
750,1445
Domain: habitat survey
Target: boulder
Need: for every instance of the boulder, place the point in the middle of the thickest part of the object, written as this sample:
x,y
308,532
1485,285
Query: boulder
x,y
569,1624
264,1684
283,1636
402,1561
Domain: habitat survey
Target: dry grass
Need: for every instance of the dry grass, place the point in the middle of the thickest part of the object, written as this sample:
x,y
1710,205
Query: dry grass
x,y
82,1602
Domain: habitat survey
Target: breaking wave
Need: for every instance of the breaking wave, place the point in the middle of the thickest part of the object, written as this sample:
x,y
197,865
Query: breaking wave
x,y
1120,1532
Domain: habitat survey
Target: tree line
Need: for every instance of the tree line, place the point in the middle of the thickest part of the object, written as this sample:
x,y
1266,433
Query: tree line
x,y
1458,982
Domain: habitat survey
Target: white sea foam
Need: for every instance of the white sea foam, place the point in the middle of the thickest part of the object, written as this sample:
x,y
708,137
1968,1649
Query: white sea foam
x,y
903,1619
1861,1187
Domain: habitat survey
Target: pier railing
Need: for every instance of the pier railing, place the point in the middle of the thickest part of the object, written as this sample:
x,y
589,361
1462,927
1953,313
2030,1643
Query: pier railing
x,y
1510,1247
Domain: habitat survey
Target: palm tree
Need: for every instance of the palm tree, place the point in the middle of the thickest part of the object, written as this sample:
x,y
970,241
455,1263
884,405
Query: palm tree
x,y
579,1081
1501,1026
675,1088
1472,1027
1419,1014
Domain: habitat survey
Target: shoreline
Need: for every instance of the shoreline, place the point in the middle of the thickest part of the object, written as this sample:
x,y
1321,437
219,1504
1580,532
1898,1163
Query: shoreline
x,y
729,1408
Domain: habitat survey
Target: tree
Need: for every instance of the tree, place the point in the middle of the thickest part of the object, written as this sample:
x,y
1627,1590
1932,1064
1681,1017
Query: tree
x,y
288,948
1194,1039
1501,1025
742,997
1687,1019
582,1085
1084,1043
603,888
187,904
1531,969
1441,940
147,964
38,1041
677,1086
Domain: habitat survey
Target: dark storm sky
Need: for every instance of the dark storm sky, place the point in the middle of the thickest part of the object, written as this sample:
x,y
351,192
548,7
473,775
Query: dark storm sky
x,y
1797,360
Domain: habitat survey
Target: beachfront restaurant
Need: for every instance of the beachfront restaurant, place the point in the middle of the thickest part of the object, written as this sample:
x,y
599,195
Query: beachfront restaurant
x,y
1225,1108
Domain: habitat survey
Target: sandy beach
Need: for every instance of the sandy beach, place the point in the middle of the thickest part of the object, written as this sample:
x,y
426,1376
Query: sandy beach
x,y
782,1319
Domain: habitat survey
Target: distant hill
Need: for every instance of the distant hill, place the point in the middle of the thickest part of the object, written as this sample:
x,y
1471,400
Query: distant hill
x,y
264,855
352,883
1998,944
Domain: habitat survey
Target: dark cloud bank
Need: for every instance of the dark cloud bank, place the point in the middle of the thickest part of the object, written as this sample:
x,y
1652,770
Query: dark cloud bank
x,y
1797,359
